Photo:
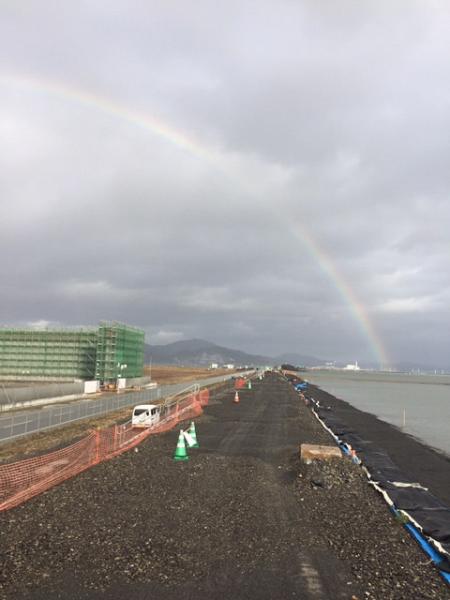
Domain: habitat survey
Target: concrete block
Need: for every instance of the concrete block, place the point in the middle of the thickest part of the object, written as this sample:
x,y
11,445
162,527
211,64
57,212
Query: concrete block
x,y
310,452
91,387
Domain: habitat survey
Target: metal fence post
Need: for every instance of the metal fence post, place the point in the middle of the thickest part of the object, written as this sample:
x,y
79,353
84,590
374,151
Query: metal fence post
x,y
97,446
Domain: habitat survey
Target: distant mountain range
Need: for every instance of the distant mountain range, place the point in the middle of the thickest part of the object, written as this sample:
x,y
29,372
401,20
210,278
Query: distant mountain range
x,y
202,353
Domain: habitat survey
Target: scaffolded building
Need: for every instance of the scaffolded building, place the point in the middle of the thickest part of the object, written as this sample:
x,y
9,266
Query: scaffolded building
x,y
111,351
120,352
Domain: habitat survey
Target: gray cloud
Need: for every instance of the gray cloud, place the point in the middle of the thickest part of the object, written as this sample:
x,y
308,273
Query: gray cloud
x,y
329,119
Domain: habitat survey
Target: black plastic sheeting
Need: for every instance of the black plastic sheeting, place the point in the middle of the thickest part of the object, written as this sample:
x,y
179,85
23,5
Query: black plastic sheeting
x,y
376,460
385,476
428,511
412,498
381,468
333,422
357,442
435,523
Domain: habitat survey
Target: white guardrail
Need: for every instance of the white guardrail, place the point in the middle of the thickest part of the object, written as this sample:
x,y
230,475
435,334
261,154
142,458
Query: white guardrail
x,y
30,421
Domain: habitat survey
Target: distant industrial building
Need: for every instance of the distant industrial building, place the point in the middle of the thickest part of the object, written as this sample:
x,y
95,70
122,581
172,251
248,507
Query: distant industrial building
x,y
105,353
352,367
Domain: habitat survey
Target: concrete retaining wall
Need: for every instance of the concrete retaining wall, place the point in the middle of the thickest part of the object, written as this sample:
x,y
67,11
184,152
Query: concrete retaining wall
x,y
12,395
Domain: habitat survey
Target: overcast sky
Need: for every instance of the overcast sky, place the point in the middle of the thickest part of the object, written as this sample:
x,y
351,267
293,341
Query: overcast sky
x,y
312,183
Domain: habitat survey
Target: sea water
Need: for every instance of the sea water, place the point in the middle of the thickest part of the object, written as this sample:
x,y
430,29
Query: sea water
x,y
417,404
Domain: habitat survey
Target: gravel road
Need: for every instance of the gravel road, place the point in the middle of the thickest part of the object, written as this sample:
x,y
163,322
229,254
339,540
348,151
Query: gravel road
x,y
242,519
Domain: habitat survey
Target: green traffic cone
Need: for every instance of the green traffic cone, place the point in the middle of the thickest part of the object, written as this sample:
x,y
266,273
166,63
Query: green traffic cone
x,y
193,435
180,450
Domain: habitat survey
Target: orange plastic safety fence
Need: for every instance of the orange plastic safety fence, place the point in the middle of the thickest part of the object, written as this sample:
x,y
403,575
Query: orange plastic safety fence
x,y
204,397
239,383
24,479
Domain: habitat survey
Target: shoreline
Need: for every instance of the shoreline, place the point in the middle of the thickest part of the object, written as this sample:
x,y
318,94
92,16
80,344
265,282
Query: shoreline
x,y
400,402
427,465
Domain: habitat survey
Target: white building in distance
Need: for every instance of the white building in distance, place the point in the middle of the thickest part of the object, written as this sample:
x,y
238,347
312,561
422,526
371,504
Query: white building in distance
x,y
354,367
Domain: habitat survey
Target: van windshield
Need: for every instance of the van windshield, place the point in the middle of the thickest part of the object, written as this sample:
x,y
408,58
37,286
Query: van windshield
x,y
140,411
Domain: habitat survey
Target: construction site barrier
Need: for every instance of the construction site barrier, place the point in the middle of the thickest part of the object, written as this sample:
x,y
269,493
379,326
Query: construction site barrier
x,y
27,478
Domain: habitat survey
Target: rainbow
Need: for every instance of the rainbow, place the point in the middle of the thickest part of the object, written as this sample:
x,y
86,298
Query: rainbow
x,y
112,108
357,309
188,144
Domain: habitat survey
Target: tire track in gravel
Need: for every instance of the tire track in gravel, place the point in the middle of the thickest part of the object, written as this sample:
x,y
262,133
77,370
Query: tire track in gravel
x,y
266,428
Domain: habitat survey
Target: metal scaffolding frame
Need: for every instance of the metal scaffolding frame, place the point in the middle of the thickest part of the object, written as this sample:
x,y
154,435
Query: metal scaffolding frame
x,y
111,351
120,351
62,354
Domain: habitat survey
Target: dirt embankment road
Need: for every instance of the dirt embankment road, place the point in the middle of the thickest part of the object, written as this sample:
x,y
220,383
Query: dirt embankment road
x,y
240,519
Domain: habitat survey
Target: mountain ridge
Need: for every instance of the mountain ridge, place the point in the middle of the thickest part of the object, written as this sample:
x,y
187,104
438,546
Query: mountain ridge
x,y
198,352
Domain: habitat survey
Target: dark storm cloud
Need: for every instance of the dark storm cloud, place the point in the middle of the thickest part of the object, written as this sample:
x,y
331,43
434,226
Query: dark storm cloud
x,y
303,116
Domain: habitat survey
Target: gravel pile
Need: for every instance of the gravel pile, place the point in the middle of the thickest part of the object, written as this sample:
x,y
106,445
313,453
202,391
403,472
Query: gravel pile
x,y
353,520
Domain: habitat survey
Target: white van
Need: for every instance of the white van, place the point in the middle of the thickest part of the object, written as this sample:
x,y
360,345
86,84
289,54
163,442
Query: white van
x,y
145,415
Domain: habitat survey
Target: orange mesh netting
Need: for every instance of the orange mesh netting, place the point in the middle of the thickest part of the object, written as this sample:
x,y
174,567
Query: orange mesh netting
x,y
239,383
24,479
